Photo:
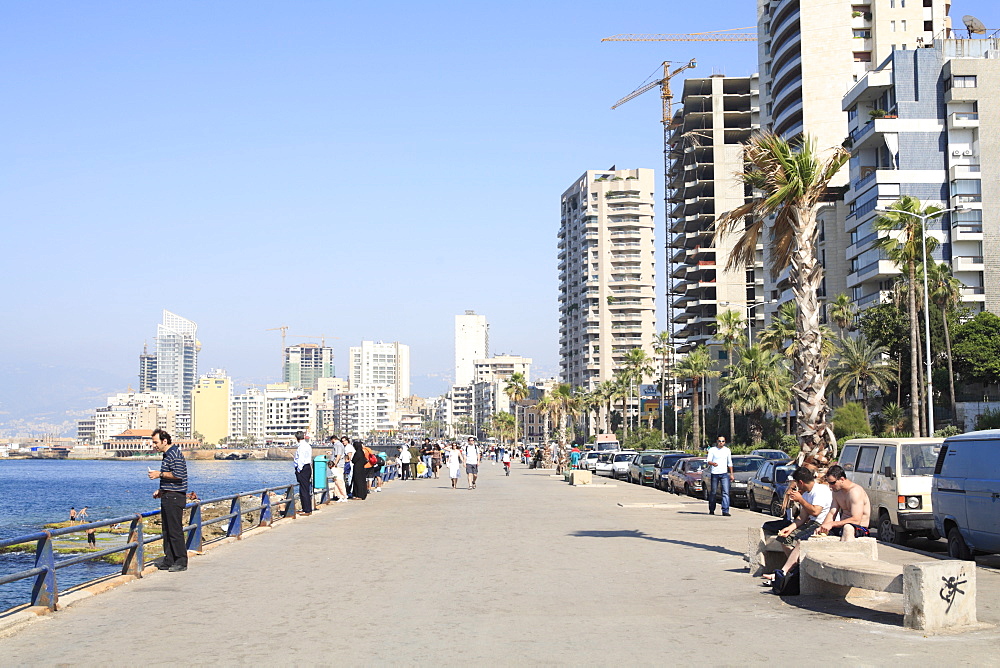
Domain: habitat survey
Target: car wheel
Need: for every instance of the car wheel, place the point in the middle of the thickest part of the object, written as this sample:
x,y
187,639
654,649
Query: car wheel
x,y
957,548
751,504
687,489
776,506
887,533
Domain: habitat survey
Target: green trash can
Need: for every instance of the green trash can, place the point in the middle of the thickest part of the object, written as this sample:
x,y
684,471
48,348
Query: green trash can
x,y
319,472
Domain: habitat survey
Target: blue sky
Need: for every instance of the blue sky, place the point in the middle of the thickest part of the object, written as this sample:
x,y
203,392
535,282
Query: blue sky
x,y
360,170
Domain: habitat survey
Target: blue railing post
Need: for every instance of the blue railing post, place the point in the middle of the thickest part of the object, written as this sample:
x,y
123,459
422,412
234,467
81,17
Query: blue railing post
x,y
265,509
135,559
290,505
236,521
195,540
44,592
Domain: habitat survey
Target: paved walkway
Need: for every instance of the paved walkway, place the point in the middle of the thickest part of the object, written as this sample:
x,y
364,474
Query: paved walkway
x,y
523,570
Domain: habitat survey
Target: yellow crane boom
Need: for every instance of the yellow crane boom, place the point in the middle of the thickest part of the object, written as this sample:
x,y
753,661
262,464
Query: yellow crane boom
x,y
710,36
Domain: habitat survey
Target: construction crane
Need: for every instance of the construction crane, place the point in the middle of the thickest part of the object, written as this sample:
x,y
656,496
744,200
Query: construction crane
x,y
667,99
284,329
321,337
710,36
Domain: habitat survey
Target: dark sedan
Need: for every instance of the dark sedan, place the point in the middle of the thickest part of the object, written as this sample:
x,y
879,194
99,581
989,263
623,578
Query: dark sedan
x,y
767,488
744,467
685,476
663,467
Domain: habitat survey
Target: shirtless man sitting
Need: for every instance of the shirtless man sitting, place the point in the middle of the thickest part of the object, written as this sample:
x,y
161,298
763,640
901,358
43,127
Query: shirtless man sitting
x,y
850,505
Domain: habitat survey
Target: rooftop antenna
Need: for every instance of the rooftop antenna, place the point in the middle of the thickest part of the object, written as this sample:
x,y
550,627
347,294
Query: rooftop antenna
x,y
974,25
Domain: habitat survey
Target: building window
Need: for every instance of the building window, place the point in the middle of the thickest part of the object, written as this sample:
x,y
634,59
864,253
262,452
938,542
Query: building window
x,y
862,56
963,81
902,25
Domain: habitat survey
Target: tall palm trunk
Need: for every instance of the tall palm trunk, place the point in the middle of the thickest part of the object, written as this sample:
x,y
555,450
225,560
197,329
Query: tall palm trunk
x,y
814,430
951,373
911,303
696,422
625,415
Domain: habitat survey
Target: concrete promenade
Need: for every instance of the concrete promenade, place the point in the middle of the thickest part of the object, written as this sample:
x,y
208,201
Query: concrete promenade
x,y
524,570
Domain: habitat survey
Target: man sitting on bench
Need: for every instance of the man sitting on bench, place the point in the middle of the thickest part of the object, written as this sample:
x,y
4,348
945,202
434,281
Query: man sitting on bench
x,y
850,503
815,500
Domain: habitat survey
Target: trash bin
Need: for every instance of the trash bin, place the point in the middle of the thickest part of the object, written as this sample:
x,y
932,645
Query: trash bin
x,y
319,472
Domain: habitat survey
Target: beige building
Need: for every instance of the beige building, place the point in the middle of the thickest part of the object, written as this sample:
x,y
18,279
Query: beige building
x,y
803,82
607,273
378,363
210,406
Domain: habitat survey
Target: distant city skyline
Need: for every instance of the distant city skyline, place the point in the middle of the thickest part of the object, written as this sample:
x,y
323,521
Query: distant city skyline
x,y
364,171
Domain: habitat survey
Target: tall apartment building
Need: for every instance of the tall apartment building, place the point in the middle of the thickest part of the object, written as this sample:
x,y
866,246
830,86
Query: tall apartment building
x,y
607,273
286,411
924,124
364,409
378,363
717,115
210,406
177,350
247,419
472,342
810,53
488,391
147,370
306,363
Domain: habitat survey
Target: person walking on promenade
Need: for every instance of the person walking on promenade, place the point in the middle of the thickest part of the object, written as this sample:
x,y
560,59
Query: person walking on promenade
x,y
720,458
454,464
404,462
414,459
348,466
506,462
303,471
472,462
425,457
336,465
359,472
436,458
172,494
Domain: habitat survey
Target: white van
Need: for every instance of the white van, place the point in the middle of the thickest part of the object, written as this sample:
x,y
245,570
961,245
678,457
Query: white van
x,y
897,474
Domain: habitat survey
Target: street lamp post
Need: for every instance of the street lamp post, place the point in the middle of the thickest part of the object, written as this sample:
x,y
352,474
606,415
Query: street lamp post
x,y
927,310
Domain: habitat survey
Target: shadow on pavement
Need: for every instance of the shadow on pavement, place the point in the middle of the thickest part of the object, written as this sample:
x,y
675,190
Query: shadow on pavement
x,y
634,533
844,608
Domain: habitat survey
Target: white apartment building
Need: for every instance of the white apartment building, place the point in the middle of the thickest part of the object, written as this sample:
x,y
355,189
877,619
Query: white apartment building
x,y
488,392
501,367
177,349
912,136
472,342
379,364
607,272
803,80
365,409
247,416
286,411
135,410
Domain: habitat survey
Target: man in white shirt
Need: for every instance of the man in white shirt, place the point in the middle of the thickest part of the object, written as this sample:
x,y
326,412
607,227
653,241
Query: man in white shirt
x,y
303,471
720,458
472,462
815,500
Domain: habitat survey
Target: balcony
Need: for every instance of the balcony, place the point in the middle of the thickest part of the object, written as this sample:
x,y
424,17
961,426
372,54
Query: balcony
x,y
965,171
973,294
968,262
961,120
967,232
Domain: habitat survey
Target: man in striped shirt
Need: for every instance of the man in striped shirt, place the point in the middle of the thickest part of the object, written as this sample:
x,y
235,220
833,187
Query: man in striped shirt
x,y
173,497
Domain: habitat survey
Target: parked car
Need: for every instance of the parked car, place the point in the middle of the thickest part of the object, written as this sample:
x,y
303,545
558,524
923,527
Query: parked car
x,y
767,487
744,467
642,466
667,461
588,459
685,476
966,493
620,461
603,465
775,455
896,473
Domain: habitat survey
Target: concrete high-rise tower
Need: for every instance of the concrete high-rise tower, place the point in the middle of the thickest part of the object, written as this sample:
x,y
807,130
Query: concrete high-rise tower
x,y
177,350
607,272
306,363
472,342
380,364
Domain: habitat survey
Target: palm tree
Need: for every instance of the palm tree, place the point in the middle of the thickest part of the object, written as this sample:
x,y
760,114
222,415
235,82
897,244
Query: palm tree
x,y
729,326
892,417
622,387
790,182
758,383
637,367
946,292
503,426
862,367
904,245
516,390
695,367
664,348
842,312
606,393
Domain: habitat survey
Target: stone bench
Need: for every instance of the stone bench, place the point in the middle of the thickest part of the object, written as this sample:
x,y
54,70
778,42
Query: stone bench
x,y
765,555
937,595
580,477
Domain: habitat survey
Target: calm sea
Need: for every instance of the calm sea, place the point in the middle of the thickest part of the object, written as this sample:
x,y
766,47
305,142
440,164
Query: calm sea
x,y
37,491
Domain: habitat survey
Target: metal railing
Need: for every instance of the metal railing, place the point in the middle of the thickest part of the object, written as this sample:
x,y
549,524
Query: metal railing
x,y
45,591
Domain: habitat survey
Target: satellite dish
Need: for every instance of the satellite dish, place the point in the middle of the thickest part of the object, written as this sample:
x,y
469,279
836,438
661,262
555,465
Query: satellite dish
x,y
974,25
